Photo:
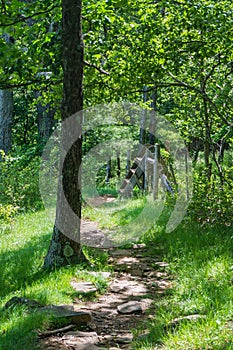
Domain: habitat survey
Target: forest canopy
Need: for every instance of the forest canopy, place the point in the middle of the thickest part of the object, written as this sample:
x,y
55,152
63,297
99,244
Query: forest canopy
x,y
174,57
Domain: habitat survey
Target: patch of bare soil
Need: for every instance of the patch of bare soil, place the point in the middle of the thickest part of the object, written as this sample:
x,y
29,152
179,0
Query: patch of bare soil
x,y
99,200
91,235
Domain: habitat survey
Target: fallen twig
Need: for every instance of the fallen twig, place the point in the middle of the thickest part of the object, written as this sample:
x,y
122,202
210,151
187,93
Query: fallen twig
x,y
55,331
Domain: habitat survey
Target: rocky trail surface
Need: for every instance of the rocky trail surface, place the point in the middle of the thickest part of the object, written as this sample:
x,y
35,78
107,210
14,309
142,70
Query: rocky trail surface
x,y
109,321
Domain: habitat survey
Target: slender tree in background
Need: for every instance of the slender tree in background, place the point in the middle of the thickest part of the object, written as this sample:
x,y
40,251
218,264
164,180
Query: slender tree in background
x,y
65,248
45,119
6,110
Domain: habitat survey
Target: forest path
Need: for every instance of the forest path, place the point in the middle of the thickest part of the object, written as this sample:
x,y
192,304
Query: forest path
x,y
135,284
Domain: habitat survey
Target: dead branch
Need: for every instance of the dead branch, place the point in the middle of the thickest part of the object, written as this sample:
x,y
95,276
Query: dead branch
x,y
55,331
92,65
25,18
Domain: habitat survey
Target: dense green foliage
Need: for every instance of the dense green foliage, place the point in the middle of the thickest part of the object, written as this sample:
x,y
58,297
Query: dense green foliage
x,y
181,53
176,56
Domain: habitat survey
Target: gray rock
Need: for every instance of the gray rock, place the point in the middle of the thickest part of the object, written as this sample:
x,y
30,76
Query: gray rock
x,y
74,317
120,252
191,318
118,288
107,338
130,308
82,334
124,338
161,264
83,287
81,340
22,301
139,246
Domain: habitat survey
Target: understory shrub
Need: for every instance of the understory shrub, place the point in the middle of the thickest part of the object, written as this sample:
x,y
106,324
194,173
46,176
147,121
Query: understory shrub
x,y
19,182
212,200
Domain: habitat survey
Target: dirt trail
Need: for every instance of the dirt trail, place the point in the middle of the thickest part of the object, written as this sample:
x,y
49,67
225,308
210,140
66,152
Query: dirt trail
x,y
134,286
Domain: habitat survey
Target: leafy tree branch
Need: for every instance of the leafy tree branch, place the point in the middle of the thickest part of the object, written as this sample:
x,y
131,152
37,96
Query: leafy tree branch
x,y
22,18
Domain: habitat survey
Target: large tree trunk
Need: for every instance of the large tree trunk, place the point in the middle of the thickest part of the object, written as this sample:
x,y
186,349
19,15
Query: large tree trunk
x,y
6,110
65,245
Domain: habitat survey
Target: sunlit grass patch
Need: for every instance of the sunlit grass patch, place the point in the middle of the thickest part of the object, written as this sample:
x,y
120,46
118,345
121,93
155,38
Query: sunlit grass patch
x,y
208,334
200,263
117,213
22,252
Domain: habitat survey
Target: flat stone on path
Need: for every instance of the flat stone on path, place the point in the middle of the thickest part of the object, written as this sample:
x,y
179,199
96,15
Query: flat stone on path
x,y
83,287
139,246
120,253
118,288
124,338
80,339
104,274
74,317
129,308
128,287
81,334
161,264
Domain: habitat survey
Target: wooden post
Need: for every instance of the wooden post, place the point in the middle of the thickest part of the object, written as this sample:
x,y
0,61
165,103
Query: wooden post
x,y
167,145
156,172
128,161
118,164
108,170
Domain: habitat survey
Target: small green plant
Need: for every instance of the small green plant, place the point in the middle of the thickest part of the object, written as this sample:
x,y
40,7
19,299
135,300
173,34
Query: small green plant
x,y
212,200
7,212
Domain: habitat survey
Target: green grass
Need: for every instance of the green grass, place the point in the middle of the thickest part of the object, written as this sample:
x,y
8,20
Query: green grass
x,y
22,252
124,220
111,215
201,264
